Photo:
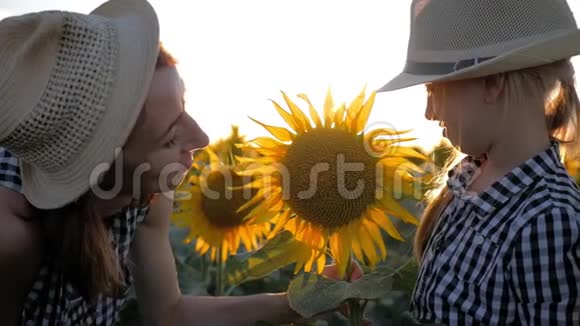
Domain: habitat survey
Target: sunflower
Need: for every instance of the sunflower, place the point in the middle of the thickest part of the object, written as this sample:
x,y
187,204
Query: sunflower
x,y
333,184
208,204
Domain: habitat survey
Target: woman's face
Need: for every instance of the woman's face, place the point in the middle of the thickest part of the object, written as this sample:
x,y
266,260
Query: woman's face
x,y
159,150
467,112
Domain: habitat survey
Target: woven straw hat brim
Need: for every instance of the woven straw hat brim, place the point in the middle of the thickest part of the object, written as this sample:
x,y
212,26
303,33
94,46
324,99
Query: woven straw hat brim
x,y
557,47
138,32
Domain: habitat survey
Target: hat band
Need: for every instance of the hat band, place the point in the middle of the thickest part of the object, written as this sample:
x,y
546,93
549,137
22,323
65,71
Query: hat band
x,y
441,68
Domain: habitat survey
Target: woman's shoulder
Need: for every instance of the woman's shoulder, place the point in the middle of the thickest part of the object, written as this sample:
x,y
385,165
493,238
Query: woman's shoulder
x,y
20,247
9,171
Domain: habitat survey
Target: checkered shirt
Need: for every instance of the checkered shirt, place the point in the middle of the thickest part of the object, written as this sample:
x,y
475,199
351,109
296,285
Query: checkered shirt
x,y
52,299
507,256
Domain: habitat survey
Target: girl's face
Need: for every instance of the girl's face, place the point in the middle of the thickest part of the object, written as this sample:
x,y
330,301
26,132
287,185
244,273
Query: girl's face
x,y
467,112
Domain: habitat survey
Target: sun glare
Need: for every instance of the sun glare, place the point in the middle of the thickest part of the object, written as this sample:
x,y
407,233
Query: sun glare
x,y
234,56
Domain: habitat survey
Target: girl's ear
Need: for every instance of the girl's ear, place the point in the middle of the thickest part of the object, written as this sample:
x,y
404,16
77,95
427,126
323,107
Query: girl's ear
x,y
493,88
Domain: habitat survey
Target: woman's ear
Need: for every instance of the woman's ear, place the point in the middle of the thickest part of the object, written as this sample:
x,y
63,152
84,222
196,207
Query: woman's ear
x,y
493,88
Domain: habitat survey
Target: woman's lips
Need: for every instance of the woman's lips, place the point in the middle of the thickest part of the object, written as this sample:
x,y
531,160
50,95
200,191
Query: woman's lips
x,y
444,131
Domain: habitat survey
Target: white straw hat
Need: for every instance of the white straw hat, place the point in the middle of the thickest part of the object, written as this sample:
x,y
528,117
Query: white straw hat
x,y
71,89
461,39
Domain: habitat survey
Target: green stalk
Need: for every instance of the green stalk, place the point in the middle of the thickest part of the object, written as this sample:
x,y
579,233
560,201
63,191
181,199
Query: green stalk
x,y
219,274
356,311
204,267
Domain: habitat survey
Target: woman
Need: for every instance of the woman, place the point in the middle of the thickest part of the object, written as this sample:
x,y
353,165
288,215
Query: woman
x,y
500,244
93,109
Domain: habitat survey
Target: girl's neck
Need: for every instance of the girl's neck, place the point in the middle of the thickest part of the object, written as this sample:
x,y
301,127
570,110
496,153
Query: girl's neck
x,y
522,142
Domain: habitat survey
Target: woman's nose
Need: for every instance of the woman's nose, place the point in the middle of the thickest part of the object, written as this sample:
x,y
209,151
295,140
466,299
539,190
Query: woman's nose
x,y
197,137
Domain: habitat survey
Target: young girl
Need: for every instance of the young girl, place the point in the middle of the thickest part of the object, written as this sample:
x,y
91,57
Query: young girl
x,y
500,244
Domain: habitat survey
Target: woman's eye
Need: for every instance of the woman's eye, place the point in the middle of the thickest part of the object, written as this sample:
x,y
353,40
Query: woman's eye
x,y
172,142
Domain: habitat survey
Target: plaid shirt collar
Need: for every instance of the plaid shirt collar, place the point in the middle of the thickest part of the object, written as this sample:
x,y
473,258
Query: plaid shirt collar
x,y
512,184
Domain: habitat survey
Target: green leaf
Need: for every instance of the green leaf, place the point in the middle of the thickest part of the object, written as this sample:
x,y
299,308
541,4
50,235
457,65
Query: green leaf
x,y
406,276
312,294
190,280
273,255
181,250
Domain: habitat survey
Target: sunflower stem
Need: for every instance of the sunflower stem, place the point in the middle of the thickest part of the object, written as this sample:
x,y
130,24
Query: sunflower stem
x,y
219,291
204,268
355,310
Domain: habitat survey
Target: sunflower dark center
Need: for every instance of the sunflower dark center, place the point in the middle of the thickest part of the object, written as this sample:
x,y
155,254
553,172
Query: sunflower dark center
x,y
220,203
332,178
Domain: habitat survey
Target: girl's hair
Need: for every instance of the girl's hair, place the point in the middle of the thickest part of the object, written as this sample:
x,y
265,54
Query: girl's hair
x,y
555,84
78,237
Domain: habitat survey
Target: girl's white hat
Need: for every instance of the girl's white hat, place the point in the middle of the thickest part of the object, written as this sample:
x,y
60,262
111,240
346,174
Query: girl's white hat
x,y
71,89
461,39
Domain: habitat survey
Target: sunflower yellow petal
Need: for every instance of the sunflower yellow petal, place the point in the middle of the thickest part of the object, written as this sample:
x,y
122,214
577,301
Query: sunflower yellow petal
x,y
181,219
339,119
277,153
224,253
254,160
246,238
213,158
265,217
281,223
256,199
357,251
321,262
289,118
280,133
357,103
328,109
297,113
260,170
385,223
256,184
369,249
299,265
340,247
308,266
392,207
271,202
375,234
313,113
353,110
198,245
363,115
267,142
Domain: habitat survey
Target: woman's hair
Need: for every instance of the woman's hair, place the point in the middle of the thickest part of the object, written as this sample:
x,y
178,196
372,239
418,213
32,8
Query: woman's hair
x,y
78,237
555,84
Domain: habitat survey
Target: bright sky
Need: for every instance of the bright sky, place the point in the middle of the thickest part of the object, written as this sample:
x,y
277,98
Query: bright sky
x,y
236,55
